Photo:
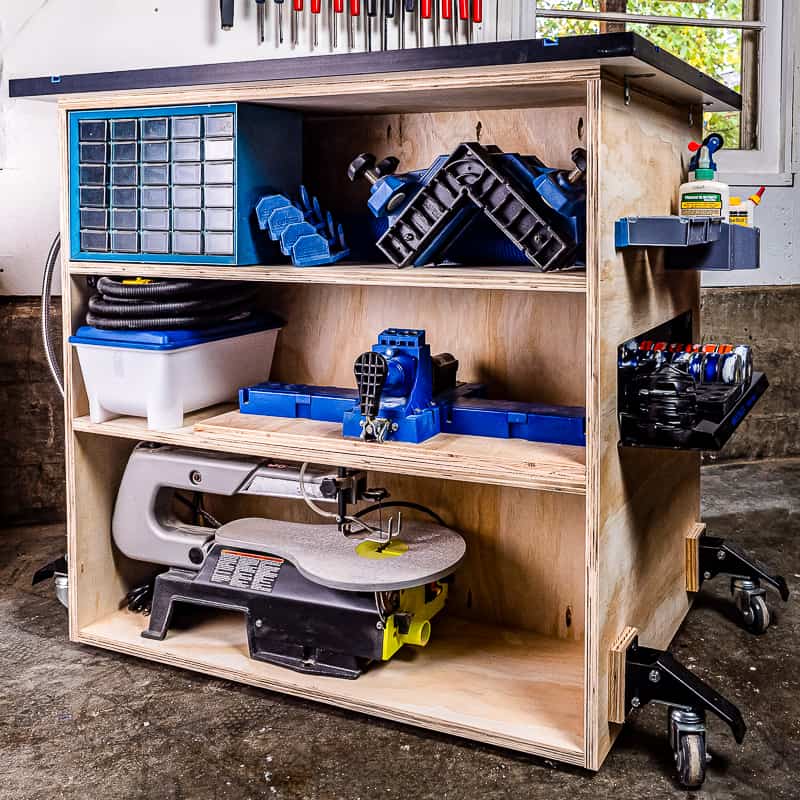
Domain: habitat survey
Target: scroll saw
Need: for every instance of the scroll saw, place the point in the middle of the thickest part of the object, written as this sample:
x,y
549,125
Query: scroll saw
x,y
324,599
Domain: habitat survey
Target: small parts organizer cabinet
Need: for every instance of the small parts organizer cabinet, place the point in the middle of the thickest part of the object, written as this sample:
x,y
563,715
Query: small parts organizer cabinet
x,y
570,551
176,184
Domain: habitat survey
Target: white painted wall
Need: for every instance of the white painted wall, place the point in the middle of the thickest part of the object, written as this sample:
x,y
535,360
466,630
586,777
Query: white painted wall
x,y
51,37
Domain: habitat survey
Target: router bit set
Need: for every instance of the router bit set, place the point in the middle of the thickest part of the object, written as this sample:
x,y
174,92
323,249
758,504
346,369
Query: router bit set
x,y
371,25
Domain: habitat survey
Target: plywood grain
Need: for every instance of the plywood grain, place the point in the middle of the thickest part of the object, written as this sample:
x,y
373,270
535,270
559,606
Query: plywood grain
x,y
417,139
520,279
693,557
617,663
503,687
524,346
640,503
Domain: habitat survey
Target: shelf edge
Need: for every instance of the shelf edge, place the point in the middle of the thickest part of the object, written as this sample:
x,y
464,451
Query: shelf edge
x,y
498,476
455,278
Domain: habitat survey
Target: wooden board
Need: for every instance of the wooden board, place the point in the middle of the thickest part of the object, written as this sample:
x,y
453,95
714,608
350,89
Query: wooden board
x,y
504,278
693,557
617,664
502,462
518,85
499,686
640,503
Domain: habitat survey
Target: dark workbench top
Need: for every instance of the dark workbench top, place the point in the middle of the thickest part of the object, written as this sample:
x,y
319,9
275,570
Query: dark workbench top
x,y
622,54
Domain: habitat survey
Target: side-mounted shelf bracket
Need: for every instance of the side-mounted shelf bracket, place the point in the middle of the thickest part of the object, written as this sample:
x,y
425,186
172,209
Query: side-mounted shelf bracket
x,y
692,243
710,556
641,675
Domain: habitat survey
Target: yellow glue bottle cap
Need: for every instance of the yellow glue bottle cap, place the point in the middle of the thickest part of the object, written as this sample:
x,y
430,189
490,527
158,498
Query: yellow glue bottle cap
x,y
756,198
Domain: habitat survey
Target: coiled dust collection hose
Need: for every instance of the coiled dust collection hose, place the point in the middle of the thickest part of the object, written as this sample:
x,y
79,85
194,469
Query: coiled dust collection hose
x,y
159,304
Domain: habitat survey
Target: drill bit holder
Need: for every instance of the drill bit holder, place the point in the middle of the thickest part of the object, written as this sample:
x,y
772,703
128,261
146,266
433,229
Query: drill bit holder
x,y
686,396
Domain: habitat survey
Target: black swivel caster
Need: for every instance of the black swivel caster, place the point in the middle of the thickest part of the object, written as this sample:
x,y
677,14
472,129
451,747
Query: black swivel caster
x,y
749,579
751,602
656,676
687,737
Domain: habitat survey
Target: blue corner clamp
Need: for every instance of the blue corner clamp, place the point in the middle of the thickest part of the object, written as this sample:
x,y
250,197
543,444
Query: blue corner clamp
x,y
556,202
409,402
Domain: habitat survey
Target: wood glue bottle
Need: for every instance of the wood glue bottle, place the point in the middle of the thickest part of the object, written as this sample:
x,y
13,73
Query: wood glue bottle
x,y
743,211
703,196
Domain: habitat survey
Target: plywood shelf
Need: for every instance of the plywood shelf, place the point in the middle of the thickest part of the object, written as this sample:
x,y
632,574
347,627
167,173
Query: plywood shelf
x,y
518,278
474,459
506,687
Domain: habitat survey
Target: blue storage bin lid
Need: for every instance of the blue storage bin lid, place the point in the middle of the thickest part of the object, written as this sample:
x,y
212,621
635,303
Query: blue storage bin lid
x,y
175,339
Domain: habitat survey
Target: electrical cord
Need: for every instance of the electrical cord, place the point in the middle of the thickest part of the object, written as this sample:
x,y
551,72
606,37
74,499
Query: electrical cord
x,y
198,510
362,526
400,504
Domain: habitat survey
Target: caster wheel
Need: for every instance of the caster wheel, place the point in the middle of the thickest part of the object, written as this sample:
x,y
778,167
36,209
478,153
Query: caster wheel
x,y
690,761
756,616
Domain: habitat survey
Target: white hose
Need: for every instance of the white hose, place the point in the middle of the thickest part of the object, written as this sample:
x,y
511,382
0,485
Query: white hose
x,y
47,339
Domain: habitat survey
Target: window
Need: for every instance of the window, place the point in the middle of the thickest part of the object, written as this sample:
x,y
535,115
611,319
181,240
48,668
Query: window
x,y
738,42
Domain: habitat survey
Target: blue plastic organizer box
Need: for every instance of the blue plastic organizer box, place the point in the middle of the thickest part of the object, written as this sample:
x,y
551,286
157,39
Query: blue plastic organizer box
x,y
178,184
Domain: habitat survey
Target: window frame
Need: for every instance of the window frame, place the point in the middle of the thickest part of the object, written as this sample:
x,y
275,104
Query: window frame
x,y
778,153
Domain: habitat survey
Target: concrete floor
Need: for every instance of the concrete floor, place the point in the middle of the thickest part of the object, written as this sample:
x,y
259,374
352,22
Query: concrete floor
x,y
82,723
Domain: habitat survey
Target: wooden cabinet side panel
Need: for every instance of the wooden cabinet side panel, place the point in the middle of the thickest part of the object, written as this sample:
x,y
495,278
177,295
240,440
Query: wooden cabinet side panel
x,y
642,502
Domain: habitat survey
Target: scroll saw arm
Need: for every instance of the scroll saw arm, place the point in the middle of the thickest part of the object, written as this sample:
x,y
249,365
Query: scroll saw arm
x,y
145,527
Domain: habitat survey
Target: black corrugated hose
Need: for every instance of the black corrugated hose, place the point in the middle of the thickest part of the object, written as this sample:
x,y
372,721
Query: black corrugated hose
x,y
160,304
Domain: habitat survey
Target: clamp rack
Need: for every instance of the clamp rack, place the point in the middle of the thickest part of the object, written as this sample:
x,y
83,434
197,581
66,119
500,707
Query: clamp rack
x,y
594,539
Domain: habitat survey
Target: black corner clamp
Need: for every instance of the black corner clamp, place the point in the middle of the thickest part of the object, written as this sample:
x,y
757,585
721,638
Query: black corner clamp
x,y
655,676
716,557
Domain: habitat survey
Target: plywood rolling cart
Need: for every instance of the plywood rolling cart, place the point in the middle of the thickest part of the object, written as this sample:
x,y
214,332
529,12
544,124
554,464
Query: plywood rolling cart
x,y
574,555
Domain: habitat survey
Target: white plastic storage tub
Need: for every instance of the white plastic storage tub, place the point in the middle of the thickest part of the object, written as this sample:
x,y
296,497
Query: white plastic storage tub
x,y
163,375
